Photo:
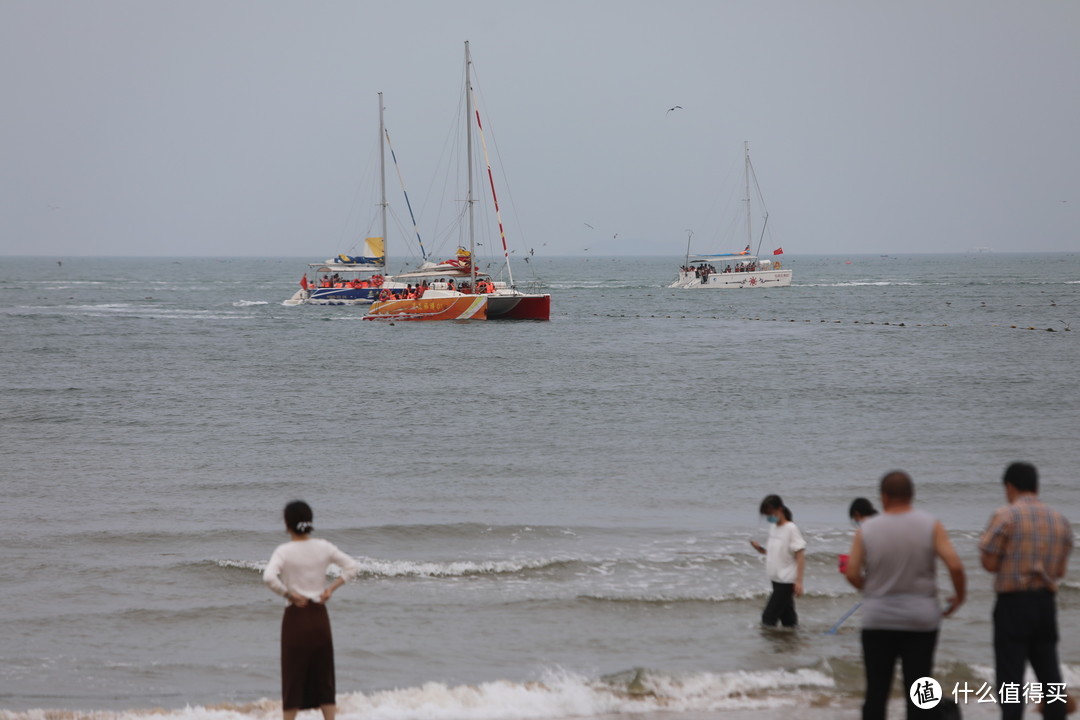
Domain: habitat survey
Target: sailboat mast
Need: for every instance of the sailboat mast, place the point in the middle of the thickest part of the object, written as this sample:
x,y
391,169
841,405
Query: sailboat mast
x,y
746,154
469,153
382,175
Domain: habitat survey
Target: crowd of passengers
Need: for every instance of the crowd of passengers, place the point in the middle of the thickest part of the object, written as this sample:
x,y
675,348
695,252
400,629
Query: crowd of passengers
x,y
415,292
336,281
409,293
705,270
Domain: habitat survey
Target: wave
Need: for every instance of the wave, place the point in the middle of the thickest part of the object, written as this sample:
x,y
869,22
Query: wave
x,y
128,311
248,303
557,694
564,694
467,530
871,283
755,593
372,568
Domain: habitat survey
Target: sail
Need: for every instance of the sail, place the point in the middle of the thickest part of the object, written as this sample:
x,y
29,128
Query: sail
x,y
376,247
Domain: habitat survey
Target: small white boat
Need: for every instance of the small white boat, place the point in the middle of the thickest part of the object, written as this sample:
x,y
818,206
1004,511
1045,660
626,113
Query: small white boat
x,y
731,270
343,280
739,269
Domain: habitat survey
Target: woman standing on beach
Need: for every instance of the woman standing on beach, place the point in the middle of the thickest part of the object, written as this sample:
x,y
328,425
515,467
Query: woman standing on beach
x,y
297,572
785,561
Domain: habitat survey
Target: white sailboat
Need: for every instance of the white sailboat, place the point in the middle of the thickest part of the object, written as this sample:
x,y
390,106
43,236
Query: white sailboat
x,y
734,270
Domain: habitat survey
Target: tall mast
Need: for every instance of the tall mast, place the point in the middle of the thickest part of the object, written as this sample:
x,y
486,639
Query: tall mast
x,y
469,152
746,153
382,176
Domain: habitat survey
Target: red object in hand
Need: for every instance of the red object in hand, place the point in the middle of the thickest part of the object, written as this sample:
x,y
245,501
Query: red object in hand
x,y
843,563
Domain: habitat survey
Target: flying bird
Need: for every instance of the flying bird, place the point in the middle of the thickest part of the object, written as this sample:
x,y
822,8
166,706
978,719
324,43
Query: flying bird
x,y
677,107
589,226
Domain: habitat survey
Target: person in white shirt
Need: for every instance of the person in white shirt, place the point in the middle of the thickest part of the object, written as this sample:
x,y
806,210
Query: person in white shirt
x,y
297,572
785,561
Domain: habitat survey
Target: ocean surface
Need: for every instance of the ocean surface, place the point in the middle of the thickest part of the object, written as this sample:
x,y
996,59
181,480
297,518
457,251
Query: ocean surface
x,y
551,519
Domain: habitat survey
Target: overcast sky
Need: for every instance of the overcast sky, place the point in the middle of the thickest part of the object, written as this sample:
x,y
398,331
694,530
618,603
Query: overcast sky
x,y
243,127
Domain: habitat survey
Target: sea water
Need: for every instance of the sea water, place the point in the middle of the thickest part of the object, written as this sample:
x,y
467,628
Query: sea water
x,y
551,519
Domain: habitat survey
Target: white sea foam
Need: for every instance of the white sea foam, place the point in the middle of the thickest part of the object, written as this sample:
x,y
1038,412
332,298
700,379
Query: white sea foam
x,y
248,303
558,694
414,568
869,283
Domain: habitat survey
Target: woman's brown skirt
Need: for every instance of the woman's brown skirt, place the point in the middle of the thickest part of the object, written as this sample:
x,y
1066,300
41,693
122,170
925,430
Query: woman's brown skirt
x,y
307,658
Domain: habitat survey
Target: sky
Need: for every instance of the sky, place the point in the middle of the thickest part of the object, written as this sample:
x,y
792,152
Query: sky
x,y
246,127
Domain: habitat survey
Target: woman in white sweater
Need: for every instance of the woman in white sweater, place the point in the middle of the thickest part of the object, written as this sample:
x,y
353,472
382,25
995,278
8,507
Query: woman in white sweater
x,y
297,572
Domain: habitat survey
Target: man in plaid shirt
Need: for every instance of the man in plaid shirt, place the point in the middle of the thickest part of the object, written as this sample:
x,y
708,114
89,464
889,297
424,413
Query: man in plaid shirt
x,y
1027,544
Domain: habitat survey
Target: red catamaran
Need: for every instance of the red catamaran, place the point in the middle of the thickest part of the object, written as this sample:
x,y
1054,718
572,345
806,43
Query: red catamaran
x,y
457,289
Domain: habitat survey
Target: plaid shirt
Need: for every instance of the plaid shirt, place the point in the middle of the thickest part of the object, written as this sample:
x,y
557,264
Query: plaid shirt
x,y
1032,542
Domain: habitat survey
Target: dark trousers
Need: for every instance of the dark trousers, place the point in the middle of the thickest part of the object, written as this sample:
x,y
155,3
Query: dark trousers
x,y
881,649
1025,630
781,606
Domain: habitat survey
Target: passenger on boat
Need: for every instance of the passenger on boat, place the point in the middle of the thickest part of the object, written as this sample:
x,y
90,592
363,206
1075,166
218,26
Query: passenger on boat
x,y
450,284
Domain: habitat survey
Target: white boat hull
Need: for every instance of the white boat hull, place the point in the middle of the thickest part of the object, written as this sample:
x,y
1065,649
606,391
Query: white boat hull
x,y
733,280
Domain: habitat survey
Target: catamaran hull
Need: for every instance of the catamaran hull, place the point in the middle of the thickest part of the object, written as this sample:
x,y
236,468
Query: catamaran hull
x,y
334,296
727,281
468,307
519,307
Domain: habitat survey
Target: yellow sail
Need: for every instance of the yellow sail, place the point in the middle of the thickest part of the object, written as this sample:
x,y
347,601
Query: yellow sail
x,y
376,247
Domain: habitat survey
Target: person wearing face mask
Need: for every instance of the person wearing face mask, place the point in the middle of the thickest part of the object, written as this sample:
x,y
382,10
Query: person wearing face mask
x,y
785,561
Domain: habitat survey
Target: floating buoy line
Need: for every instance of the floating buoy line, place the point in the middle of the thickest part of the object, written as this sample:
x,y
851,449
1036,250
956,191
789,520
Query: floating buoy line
x,y
1067,328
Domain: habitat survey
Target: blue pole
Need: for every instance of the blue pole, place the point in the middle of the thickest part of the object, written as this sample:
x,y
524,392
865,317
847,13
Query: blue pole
x,y
849,613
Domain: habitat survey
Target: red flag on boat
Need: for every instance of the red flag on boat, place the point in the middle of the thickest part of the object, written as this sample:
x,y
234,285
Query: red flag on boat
x,y
778,251
303,282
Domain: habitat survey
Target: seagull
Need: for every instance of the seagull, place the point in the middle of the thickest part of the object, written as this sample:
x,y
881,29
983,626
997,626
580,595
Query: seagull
x,y
589,226
677,107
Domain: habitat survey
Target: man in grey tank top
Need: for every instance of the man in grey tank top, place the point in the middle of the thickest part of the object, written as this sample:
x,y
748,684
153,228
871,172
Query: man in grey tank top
x,y
893,560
